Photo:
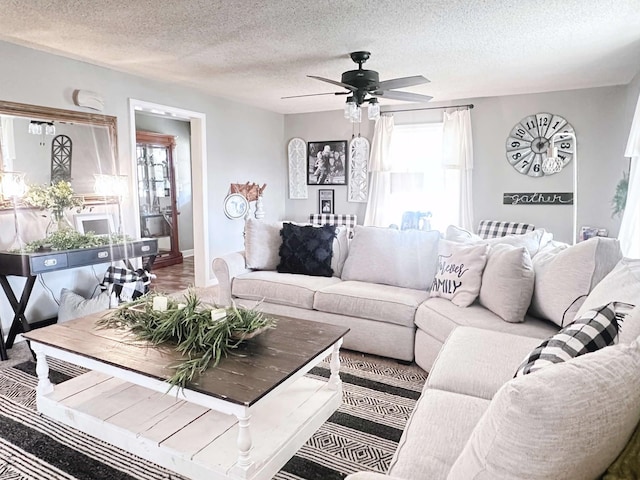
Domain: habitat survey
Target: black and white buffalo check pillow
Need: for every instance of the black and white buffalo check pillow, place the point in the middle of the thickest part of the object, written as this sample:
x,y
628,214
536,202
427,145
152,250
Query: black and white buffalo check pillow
x,y
595,329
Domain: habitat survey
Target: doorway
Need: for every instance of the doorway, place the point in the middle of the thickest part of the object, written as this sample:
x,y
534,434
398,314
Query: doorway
x,y
146,116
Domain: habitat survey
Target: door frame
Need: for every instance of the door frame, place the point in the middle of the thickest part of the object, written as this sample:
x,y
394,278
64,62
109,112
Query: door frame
x,y
199,179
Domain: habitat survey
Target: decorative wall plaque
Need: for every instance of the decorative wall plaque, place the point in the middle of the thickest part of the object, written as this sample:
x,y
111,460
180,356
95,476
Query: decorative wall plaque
x,y
297,151
538,198
358,169
61,150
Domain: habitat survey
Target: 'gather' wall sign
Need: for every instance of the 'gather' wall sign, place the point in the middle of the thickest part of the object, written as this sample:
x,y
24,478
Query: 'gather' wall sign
x,y
537,198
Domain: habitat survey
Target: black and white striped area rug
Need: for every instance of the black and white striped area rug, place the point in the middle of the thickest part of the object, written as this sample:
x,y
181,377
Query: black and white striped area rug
x,y
379,396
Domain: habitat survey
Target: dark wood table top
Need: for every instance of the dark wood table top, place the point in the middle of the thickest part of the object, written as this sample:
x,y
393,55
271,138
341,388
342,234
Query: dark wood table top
x,y
254,369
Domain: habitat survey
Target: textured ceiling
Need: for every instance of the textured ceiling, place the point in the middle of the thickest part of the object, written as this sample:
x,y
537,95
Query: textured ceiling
x,y
258,51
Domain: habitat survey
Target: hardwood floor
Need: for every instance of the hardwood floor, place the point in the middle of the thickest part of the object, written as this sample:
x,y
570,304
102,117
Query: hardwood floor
x,y
177,278
174,277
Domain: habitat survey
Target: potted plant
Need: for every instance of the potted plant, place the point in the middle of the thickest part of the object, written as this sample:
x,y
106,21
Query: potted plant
x,y
56,198
619,200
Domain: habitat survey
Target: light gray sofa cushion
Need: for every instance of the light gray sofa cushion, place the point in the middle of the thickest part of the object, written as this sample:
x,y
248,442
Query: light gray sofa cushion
x,y
507,282
282,288
565,276
436,433
439,317
384,303
478,362
567,421
403,258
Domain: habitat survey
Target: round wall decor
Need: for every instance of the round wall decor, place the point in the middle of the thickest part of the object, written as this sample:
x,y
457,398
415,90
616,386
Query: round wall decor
x,y
530,139
235,206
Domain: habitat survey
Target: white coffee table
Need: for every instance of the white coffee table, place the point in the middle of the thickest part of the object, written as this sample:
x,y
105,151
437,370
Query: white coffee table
x,y
244,419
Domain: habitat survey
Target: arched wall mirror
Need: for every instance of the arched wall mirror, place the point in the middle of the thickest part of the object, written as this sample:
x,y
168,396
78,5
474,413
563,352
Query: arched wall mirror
x,y
50,143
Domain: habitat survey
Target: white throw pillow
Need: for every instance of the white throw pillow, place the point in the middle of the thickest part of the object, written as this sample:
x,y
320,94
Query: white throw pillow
x,y
459,273
630,326
622,284
567,421
507,282
404,258
533,241
262,242
565,276
73,305
459,234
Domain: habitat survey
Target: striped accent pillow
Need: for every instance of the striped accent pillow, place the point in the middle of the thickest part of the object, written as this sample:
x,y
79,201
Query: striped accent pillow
x,y
595,329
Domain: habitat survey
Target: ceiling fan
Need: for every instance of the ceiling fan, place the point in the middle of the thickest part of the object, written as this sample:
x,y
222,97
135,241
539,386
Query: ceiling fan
x,y
361,84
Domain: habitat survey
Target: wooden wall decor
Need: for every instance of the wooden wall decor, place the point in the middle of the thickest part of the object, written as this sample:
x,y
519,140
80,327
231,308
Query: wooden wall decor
x,y
538,198
250,191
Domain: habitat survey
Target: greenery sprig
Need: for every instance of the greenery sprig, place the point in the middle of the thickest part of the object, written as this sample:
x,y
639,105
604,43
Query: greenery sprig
x,y
55,198
619,200
190,329
71,239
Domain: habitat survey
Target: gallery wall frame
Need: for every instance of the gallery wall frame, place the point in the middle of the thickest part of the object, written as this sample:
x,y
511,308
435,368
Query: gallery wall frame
x,y
326,199
327,162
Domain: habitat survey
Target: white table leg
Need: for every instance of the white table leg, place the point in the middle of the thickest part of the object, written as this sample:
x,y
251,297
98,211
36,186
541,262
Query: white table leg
x,y
244,463
42,370
335,383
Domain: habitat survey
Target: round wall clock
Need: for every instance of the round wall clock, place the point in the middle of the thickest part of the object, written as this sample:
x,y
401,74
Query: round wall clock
x,y
530,139
235,206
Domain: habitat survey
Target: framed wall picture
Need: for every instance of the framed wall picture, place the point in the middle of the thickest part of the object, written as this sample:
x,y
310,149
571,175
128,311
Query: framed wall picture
x,y
325,201
98,223
327,163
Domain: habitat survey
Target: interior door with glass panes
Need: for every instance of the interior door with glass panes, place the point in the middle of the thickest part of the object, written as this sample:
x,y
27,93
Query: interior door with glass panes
x,y
157,195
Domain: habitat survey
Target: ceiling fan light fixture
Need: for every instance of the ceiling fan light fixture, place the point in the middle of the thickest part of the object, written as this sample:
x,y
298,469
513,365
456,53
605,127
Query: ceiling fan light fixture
x,y
356,114
373,112
349,107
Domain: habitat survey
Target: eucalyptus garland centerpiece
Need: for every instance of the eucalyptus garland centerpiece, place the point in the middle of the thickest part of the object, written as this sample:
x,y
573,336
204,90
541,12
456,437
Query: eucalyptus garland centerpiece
x,y
200,333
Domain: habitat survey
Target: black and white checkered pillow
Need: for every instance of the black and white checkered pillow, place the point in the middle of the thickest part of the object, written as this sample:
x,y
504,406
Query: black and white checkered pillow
x,y
495,229
595,329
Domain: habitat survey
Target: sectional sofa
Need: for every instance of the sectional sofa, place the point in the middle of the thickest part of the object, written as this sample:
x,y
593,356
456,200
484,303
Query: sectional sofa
x,y
570,420
381,281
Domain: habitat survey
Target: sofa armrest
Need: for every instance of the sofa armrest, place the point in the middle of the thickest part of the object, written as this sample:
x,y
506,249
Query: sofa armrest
x,y
225,268
370,476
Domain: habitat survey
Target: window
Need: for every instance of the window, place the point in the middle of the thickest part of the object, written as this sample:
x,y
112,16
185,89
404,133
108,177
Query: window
x,y
419,182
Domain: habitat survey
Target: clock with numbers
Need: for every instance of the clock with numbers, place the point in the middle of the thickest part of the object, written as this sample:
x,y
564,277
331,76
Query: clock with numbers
x,y
530,139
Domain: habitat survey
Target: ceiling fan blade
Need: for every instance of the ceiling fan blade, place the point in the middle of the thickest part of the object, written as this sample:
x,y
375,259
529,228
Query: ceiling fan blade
x,y
404,96
315,95
334,82
402,82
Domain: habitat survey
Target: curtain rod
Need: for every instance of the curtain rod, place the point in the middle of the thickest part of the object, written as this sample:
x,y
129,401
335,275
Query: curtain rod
x,y
468,105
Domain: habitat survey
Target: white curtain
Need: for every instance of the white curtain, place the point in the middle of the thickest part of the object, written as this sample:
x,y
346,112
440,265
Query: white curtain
x,y
380,174
457,153
630,228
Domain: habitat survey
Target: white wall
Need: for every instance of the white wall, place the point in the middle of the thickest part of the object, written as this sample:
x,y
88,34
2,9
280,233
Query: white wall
x,y
243,144
181,130
601,124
